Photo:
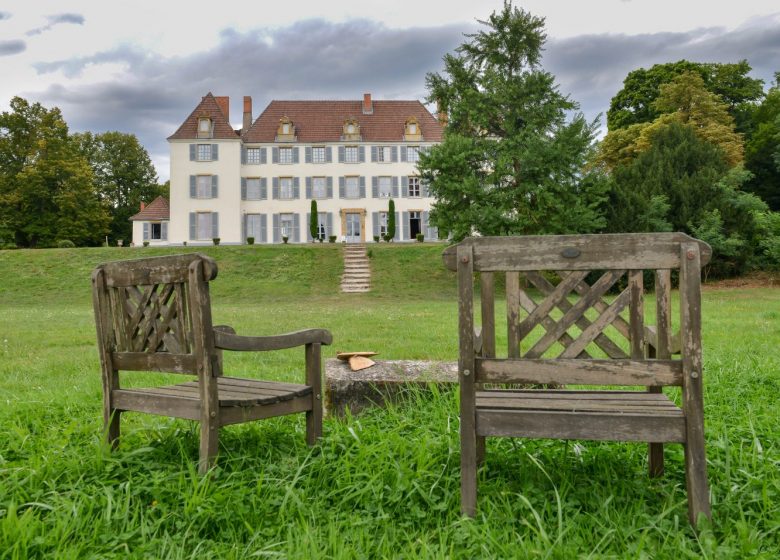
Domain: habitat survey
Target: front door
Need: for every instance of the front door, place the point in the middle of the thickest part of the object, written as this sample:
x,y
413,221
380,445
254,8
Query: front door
x,y
353,228
415,226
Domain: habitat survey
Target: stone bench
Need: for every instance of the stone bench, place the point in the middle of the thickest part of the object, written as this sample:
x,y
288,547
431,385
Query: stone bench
x,y
381,383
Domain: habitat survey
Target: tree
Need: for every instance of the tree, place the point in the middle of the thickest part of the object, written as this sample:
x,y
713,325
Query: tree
x,y
124,175
762,149
46,187
635,102
390,221
314,221
512,157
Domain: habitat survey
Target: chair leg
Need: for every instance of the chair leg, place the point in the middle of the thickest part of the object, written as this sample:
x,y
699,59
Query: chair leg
x,y
655,459
480,450
209,444
314,421
111,426
314,380
468,472
696,481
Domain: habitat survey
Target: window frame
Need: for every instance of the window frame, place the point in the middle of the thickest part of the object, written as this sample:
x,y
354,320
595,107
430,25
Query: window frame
x,y
414,180
315,158
203,152
259,182
251,160
209,131
351,149
347,183
286,181
285,153
282,222
389,184
383,221
413,150
323,186
252,217
158,227
384,154
205,182
208,221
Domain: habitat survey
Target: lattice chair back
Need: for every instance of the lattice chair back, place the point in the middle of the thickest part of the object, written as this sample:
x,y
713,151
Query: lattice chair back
x,y
154,314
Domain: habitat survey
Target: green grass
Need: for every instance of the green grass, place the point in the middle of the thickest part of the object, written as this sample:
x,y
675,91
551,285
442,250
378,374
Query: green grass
x,y
381,485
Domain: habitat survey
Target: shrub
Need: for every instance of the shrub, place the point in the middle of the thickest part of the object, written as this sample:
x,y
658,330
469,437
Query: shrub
x,y
420,237
215,240
285,238
370,253
185,243
390,220
376,239
68,244
387,237
146,243
332,239
250,240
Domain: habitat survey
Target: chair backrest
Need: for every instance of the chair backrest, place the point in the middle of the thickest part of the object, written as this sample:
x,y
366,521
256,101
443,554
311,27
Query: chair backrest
x,y
561,326
154,314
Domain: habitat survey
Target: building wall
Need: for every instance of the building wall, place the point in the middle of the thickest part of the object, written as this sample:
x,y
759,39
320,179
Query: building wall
x,y
232,208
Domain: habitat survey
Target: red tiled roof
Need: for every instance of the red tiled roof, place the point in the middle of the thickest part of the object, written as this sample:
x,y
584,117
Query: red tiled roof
x,y
208,107
323,121
157,210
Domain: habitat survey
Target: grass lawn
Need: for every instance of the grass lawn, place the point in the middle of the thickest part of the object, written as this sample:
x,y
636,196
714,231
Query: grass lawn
x,y
381,485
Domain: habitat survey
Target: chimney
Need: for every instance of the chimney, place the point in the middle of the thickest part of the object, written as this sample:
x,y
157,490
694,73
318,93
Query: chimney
x,y
224,106
368,106
143,205
247,113
441,114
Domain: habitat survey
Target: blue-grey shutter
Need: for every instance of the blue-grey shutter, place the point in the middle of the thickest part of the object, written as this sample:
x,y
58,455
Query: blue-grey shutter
x,y
263,156
395,187
308,228
263,229
243,188
330,187
275,155
307,154
214,187
193,225
394,153
405,225
403,153
193,151
215,224
328,155
296,157
164,231
397,236
342,154
329,232
374,153
405,186
243,155
215,152
275,188
193,187
296,186
263,188
296,236
362,152
375,219
243,229
424,225
146,231
342,187
375,187
424,188
308,187
277,233
362,187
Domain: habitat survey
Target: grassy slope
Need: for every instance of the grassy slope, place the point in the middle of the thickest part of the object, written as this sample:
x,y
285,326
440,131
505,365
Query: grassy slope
x,y
382,485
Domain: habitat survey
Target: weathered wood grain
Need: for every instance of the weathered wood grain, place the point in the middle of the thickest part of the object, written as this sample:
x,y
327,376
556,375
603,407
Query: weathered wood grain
x,y
228,341
468,434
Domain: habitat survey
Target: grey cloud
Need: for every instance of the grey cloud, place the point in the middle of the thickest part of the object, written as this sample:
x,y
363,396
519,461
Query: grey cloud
x,y
57,19
8,48
4,15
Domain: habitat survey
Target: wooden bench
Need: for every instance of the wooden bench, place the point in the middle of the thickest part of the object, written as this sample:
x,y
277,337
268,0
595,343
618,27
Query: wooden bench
x,y
574,334
155,315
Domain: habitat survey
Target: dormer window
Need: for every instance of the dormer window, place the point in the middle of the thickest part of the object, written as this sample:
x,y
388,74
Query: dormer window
x,y
412,130
351,130
204,127
286,130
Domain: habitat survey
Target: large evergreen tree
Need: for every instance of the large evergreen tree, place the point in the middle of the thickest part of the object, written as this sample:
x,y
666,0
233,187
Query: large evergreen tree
x,y
762,149
512,157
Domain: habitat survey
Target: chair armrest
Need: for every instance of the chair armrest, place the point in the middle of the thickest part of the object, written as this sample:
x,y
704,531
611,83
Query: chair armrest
x,y
230,341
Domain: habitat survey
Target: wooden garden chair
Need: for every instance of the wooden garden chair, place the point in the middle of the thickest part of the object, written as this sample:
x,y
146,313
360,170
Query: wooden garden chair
x,y
155,315
551,340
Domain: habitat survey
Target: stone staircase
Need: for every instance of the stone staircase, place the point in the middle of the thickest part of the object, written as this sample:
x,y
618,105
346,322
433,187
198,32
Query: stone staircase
x,y
357,272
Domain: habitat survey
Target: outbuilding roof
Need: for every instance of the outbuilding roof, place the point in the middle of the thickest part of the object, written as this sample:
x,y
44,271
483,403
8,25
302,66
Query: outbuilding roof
x,y
157,210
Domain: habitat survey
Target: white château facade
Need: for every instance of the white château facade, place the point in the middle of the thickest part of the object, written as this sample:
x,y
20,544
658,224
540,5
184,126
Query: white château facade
x,y
352,157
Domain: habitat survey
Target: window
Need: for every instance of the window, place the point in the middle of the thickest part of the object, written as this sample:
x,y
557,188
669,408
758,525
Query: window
x,y
253,156
204,186
156,230
382,224
204,127
286,188
384,154
413,154
204,152
412,128
414,187
286,225
351,154
318,155
350,128
285,155
352,187
204,225
254,226
286,128
322,229
253,191
385,187
319,187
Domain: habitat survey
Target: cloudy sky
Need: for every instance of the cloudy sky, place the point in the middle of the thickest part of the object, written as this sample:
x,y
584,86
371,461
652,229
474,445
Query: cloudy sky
x,y
142,66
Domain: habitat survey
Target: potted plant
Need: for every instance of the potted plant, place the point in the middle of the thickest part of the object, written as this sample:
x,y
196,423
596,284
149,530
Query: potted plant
x,y
376,239
250,240
215,240
285,238
332,239
420,237
146,243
